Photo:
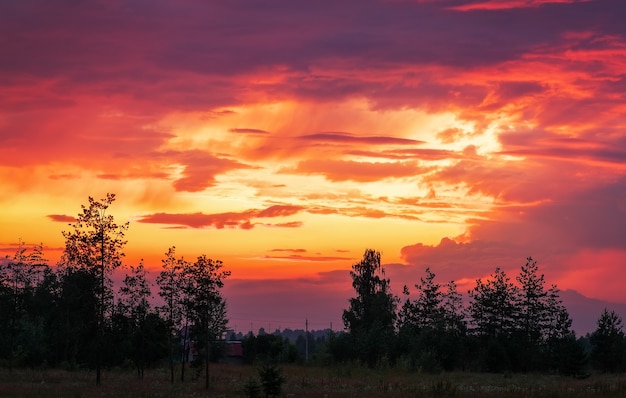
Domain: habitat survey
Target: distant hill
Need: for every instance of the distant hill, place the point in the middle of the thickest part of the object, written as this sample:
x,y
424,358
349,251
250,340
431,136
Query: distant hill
x,y
585,311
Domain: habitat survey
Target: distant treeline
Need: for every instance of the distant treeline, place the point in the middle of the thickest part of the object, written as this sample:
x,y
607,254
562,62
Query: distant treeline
x,y
72,316
508,326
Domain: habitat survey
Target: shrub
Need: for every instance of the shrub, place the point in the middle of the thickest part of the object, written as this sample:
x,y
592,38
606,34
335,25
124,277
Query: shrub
x,y
272,380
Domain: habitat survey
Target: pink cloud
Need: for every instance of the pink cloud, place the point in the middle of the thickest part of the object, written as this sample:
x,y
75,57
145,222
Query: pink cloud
x,y
508,4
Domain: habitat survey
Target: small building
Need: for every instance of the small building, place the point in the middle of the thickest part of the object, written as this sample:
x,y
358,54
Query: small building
x,y
234,352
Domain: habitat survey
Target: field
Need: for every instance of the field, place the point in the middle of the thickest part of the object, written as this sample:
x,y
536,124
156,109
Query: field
x,y
228,381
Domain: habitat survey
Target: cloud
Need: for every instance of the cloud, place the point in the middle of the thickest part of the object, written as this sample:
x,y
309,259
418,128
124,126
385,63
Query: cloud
x,y
225,220
300,258
347,138
279,211
61,218
201,169
344,170
571,236
509,4
291,224
248,131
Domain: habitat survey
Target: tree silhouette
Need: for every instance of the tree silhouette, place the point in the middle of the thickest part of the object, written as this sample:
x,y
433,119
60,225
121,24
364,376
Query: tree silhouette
x,y
431,326
169,282
96,244
371,317
134,305
19,276
203,281
493,313
607,341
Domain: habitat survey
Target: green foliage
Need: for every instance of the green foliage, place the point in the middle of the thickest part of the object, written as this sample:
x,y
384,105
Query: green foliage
x,y
272,380
252,388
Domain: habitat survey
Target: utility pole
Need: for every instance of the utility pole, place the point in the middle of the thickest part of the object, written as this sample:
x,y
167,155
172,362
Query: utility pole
x,y
306,343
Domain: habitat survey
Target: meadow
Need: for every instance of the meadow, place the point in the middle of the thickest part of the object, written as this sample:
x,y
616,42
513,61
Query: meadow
x,y
344,381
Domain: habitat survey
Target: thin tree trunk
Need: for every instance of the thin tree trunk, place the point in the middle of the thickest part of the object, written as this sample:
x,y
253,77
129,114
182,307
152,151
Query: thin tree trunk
x,y
171,340
171,357
207,357
185,348
100,331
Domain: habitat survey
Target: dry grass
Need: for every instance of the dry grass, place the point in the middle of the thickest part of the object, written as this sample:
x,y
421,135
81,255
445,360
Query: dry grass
x,y
228,381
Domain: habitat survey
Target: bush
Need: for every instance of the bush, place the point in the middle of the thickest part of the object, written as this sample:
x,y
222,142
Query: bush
x,y
252,389
272,380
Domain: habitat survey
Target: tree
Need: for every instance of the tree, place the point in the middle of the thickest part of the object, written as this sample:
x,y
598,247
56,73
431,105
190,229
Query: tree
x,y
76,317
430,327
96,244
272,380
608,348
454,312
202,281
563,352
493,313
169,282
426,311
371,317
134,305
532,306
493,305
19,276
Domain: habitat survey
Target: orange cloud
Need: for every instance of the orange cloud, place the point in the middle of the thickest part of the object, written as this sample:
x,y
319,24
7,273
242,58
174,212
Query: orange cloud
x,y
343,170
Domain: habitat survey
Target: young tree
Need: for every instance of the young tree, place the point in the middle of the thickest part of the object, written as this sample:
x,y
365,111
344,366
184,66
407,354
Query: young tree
x,y
204,279
371,317
169,282
532,305
563,352
608,347
134,305
454,312
96,244
430,327
425,312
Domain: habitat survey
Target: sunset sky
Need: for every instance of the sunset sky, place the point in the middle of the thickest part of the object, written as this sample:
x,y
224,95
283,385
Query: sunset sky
x,y
285,137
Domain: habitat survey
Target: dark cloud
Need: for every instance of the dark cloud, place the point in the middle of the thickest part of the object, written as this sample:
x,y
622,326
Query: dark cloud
x,y
61,218
358,139
224,220
247,131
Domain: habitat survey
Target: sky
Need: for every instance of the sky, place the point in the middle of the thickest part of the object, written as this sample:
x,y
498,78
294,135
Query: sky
x,y
286,137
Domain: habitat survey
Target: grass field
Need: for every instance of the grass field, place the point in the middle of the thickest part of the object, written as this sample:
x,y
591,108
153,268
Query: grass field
x,y
228,381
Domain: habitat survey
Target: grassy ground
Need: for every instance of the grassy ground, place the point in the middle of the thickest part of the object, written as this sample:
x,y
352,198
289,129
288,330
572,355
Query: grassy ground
x,y
228,381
